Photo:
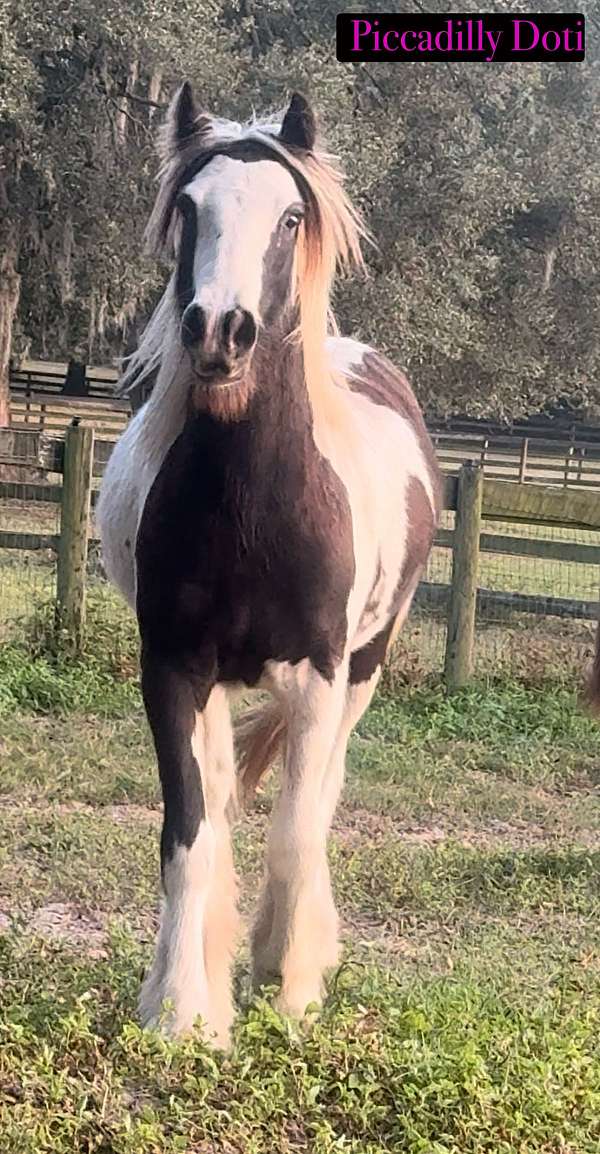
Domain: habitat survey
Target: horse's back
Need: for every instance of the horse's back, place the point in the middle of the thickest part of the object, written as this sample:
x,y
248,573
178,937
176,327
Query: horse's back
x,y
368,373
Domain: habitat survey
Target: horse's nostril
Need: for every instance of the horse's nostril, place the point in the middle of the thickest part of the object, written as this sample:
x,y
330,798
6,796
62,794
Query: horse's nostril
x,y
193,326
239,330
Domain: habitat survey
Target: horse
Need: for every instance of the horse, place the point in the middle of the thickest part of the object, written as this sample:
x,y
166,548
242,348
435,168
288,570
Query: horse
x,y
268,513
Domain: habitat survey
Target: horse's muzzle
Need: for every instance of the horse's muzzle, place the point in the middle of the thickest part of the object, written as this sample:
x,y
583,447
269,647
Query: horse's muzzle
x,y
218,345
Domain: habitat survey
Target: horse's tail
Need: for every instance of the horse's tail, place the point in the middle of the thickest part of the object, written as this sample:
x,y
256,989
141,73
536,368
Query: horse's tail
x,y
593,685
259,736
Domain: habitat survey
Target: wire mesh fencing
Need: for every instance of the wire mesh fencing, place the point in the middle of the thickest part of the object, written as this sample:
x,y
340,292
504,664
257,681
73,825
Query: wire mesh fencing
x,y
27,575
29,529
539,619
537,600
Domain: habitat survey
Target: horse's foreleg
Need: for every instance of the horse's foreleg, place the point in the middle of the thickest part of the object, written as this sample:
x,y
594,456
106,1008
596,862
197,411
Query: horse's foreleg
x,y
221,926
358,697
297,918
196,775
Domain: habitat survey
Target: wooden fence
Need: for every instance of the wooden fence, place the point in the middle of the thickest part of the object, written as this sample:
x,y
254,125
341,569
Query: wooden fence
x,y
54,414
78,460
538,460
538,452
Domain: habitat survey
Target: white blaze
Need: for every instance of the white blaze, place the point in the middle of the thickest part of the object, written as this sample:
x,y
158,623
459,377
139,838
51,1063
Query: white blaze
x,y
239,204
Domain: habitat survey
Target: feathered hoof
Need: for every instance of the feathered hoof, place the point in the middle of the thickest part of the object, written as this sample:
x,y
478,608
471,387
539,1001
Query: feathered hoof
x,y
179,1021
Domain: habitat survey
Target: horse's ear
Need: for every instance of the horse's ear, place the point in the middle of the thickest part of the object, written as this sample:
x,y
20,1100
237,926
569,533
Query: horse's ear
x,y
184,120
299,127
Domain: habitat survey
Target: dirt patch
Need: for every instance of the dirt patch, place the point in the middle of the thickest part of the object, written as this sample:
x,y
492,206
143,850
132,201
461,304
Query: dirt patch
x,y
66,923
123,814
356,825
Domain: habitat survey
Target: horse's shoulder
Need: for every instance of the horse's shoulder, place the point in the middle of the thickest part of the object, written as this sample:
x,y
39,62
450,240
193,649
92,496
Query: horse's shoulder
x,y
367,371
346,356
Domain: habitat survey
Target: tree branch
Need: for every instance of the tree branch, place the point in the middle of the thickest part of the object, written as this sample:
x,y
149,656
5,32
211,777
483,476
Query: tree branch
x,y
125,112
143,100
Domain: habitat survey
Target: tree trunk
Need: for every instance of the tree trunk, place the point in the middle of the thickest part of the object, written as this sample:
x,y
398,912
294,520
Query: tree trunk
x,y
123,112
549,267
10,285
154,89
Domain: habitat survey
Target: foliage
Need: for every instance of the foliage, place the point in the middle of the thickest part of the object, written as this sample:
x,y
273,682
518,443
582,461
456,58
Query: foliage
x,y
441,1066
464,1016
81,89
481,186
51,685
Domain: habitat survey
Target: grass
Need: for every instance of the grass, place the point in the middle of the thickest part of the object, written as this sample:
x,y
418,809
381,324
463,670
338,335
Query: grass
x,y
533,575
466,861
441,1066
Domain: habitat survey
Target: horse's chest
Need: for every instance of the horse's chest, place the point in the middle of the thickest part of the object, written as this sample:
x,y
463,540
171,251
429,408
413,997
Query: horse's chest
x,y
231,575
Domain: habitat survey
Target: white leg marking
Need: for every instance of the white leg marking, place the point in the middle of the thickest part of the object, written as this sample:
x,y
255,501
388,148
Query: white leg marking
x,y
295,916
358,698
199,921
221,930
178,975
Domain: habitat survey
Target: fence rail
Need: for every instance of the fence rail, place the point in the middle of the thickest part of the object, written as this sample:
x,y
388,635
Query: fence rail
x,y
52,378
434,596
562,454
524,459
79,460
54,414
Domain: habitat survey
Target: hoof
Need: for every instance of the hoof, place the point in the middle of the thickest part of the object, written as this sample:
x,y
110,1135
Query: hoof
x,y
300,1002
174,1022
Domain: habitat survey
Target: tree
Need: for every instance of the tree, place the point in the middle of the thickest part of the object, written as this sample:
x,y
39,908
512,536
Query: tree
x,y
481,185
78,104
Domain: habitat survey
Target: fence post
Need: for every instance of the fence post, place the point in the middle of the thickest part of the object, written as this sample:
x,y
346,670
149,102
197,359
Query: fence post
x,y
465,565
74,529
523,460
568,460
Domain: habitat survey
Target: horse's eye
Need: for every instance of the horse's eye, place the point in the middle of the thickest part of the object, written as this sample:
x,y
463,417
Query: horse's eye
x,y
292,220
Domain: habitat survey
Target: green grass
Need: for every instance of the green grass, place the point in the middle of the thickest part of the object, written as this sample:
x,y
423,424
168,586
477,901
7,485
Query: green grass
x,y
466,862
444,1065
533,575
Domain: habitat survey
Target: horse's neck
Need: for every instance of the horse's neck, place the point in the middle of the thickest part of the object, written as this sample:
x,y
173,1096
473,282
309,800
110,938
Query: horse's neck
x,y
275,432
279,416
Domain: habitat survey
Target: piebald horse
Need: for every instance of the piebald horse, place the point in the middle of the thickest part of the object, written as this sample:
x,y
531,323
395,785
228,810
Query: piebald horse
x,y
268,512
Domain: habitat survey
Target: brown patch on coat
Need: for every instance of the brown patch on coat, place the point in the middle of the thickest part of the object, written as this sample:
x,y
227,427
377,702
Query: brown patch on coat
x,y
420,534
244,556
376,378
245,552
419,538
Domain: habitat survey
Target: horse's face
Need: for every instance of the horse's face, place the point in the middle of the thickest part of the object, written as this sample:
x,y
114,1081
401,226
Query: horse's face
x,y
238,223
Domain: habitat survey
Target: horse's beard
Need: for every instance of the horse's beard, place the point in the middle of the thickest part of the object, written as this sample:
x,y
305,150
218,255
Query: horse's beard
x,y
227,401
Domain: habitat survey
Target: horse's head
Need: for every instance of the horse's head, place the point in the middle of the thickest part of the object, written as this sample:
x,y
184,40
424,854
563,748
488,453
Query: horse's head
x,y
255,219
238,210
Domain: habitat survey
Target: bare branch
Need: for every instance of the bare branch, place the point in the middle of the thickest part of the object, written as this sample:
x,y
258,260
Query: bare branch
x,y
162,105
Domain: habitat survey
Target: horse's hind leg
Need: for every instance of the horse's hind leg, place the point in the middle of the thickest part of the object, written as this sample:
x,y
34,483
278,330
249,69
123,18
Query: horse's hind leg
x,y
191,732
358,697
282,944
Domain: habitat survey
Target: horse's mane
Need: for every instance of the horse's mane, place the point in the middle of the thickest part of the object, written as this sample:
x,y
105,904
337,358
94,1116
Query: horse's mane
x,y
329,237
